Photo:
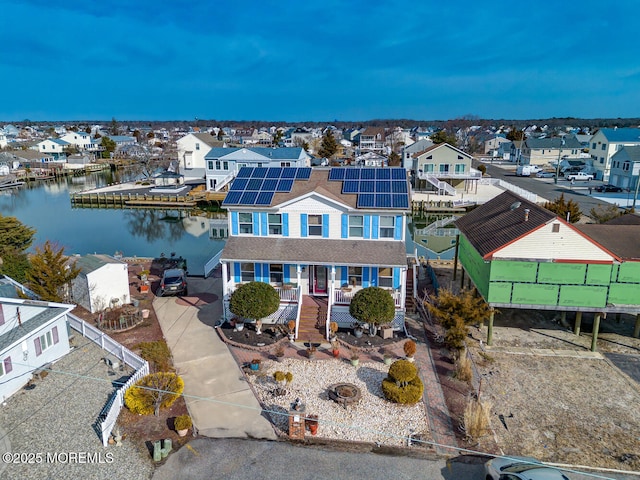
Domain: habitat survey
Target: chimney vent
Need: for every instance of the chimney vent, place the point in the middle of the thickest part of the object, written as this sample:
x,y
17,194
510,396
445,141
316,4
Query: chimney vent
x,y
526,214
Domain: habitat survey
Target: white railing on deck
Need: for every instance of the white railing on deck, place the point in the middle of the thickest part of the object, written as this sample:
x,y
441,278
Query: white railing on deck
x,y
225,180
289,295
532,197
299,309
212,264
107,419
344,297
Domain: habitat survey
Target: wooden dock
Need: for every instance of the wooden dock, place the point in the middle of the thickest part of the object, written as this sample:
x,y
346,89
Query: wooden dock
x,y
143,200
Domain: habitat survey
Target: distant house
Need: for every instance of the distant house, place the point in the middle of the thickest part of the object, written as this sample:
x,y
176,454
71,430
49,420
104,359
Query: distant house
x,y
3,139
605,143
408,152
492,144
625,167
122,140
83,141
543,151
444,169
192,149
371,159
103,282
53,147
33,334
29,158
223,164
371,139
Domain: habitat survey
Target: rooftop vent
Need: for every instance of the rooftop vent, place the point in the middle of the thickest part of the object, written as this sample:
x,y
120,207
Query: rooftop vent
x,y
515,206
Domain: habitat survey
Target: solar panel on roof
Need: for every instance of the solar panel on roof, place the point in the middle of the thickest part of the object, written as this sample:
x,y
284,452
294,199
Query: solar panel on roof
x,y
336,174
274,172
383,200
383,186
383,174
239,184
254,184
365,200
368,174
232,198
400,201
398,174
269,185
245,172
288,172
259,172
248,198
303,173
352,174
350,186
284,185
367,186
398,186
264,198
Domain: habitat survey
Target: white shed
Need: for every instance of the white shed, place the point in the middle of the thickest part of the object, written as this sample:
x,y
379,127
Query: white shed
x,y
103,282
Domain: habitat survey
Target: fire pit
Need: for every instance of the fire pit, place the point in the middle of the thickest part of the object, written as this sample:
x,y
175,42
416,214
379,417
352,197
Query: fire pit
x,y
345,394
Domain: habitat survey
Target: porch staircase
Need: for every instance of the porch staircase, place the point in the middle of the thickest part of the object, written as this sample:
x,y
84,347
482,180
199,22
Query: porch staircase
x,y
313,315
409,301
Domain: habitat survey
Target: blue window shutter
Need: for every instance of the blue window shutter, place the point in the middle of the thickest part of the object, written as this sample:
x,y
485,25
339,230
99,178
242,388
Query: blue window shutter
x,y
344,276
375,227
256,223
397,234
285,275
285,224
266,273
263,224
396,277
365,277
7,365
374,276
304,230
236,272
345,226
325,225
367,227
234,223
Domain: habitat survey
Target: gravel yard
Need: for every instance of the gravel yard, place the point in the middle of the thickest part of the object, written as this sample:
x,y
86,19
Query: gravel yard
x,y
373,419
57,415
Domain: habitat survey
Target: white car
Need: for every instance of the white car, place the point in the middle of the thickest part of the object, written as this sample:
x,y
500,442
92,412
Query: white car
x,y
520,468
580,176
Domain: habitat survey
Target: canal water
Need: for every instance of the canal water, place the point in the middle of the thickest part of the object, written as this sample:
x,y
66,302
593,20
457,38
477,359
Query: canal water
x,y
46,206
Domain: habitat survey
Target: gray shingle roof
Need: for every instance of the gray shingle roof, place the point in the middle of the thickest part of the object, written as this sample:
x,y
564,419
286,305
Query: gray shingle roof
x,y
89,263
621,240
20,332
570,142
315,251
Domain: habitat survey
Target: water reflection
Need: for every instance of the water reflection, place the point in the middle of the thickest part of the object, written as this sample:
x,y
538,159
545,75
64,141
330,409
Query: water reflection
x,y
434,236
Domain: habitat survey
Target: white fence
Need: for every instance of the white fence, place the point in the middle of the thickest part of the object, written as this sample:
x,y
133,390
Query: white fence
x,y
532,197
212,264
109,414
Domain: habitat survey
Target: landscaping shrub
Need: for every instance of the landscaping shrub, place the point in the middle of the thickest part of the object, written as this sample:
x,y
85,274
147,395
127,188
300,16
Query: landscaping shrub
x,y
254,300
409,348
372,305
279,376
153,392
403,385
463,370
475,421
182,422
157,353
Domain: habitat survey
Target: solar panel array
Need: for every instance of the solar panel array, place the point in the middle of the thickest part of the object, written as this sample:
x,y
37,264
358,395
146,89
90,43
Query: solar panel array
x,y
257,186
375,187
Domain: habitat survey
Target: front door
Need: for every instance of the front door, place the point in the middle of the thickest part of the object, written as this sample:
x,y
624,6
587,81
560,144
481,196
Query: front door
x,y
319,280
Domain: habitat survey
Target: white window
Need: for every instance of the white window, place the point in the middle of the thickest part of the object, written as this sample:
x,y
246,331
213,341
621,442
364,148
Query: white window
x,y
444,168
247,272
225,165
217,164
460,167
5,366
210,165
46,340
429,167
385,277
285,164
245,221
275,224
387,226
315,225
197,146
356,226
355,276
275,272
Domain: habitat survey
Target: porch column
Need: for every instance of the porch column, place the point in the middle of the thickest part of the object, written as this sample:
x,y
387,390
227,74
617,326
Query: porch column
x,y
403,286
636,330
225,287
490,328
596,328
563,318
299,274
462,278
576,326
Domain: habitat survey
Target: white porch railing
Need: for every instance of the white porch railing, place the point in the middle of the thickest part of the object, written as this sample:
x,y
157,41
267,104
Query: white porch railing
x,y
289,295
109,414
436,182
344,297
219,185
532,197
298,309
435,225
212,264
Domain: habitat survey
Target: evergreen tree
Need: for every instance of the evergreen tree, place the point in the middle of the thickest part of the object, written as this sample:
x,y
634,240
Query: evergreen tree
x,y
515,134
329,146
14,235
109,147
51,272
561,208
443,137
394,159
602,214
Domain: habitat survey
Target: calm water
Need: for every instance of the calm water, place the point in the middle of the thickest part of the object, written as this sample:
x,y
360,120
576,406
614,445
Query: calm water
x,y
134,232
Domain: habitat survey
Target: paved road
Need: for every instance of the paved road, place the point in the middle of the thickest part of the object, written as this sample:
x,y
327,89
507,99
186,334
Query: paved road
x,y
236,459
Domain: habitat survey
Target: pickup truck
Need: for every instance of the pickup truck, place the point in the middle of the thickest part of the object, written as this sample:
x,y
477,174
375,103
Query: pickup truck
x,y
579,176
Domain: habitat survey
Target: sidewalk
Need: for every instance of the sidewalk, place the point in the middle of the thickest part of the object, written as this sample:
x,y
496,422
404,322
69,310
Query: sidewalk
x,y
218,398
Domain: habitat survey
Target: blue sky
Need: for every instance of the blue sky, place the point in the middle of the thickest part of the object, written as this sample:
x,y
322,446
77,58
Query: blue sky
x,y
317,60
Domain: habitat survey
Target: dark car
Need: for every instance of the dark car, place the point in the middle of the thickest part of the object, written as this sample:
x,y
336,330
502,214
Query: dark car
x,y
608,188
174,282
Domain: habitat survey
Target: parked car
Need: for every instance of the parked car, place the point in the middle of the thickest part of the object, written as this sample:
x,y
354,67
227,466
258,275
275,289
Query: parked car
x,y
527,170
545,174
564,171
608,188
524,468
174,282
580,176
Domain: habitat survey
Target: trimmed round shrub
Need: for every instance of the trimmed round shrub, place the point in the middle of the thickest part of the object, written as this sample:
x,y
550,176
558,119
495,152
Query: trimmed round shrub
x,y
373,305
153,392
409,348
279,376
182,422
403,385
254,300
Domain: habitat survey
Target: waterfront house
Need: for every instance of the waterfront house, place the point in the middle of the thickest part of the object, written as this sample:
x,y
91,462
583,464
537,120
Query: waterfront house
x,y
604,145
192,149
625,168
223,164
103,282
445,170
33,335
520,255
371,139
408,159
318,236
83,141
53,148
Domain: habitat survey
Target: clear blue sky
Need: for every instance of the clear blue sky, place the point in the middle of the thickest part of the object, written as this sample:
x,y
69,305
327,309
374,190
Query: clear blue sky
x,y
318,60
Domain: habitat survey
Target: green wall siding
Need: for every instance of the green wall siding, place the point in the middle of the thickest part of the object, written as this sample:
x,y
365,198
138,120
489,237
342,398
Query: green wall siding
x,y
499,292
583,296
598,274
624,294
561,273
506,270
475,266
533,294
629,272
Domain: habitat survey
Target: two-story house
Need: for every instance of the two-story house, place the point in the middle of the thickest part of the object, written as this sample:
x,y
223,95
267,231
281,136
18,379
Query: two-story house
x,y
54,148
492,144
371,139
83,141
605,143
543,151
625,168
192,149
445,169
33,334
223,164
318,236
408,152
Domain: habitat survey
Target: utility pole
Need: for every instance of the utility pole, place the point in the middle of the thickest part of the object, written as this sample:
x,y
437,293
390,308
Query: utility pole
x,y
555,180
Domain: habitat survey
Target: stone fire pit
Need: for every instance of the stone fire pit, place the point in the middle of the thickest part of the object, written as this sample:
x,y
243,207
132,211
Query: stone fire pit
x,y
345,394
